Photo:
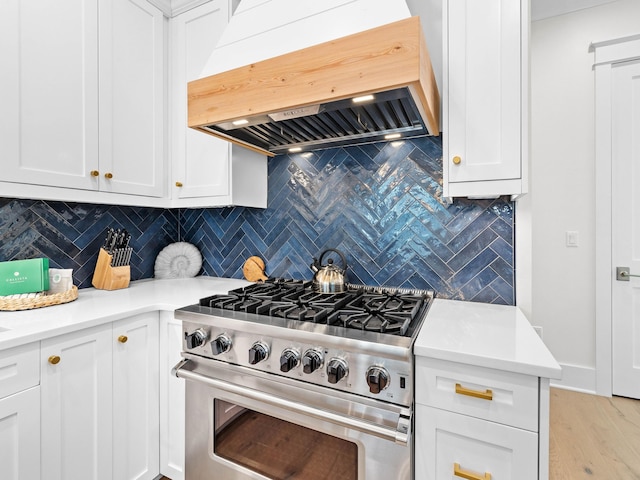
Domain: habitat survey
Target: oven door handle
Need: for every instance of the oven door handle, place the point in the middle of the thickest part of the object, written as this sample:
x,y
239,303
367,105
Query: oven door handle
x,y
399,435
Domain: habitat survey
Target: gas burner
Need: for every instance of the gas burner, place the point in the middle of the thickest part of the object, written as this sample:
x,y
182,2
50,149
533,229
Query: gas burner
x,y
383,312
371,321
306,306
238,303
272,289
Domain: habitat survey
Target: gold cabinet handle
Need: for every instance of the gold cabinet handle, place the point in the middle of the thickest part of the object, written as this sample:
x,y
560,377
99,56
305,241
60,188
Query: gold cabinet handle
x,y
459,472
94,173
123,339
54,359
456,160
486,395
178,184
108,175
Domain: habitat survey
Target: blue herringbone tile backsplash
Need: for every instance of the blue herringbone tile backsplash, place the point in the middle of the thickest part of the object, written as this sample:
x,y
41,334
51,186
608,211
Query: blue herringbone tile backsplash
x,y
378,203
71,234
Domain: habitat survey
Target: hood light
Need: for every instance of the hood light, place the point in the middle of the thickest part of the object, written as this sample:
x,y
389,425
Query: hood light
x,y
364,98
243,121
295,150
392,136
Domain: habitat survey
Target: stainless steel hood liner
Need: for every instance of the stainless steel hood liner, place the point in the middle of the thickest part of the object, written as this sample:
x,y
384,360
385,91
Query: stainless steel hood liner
x,y
304,99
332,124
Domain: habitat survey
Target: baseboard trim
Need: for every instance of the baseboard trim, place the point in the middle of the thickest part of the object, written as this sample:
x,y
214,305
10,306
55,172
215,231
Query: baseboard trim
x,y
574,377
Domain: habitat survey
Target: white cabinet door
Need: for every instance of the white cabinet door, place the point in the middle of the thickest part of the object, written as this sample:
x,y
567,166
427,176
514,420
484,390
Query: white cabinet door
x,y
132,73
49,92
171,399
136,433
485,45
447,443
76,405
20,435
200,162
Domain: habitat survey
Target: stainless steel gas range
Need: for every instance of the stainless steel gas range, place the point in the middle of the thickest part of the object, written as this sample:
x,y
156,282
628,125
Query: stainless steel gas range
x,y
284,382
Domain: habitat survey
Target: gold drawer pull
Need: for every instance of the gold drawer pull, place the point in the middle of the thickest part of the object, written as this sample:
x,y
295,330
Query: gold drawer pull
x,y
458,472
54,359
456,160
486,395
178,184
95,173
123,339
108,175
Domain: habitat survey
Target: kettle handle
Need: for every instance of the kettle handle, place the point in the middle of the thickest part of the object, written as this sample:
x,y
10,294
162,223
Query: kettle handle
x,y
342,257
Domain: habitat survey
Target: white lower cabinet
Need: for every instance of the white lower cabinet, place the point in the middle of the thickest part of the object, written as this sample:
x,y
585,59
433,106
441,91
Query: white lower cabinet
x,y
99,408
76,405
136,431
172,391
20,435
452,445
479,423
20,413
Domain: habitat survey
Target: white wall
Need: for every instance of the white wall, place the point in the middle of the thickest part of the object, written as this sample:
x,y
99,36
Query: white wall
x,y
563,180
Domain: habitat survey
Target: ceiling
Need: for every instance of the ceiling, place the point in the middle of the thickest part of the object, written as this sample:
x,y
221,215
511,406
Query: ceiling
x,y
541,9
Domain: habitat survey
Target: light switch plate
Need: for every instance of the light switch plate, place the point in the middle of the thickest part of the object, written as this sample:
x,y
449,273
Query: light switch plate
x,y
572,238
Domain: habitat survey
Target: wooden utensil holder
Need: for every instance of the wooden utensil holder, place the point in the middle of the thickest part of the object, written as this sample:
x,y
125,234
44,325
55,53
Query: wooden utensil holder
x,y
106,277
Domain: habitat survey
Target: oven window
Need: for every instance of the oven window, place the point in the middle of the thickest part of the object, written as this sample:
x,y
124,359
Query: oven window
x,y
279,449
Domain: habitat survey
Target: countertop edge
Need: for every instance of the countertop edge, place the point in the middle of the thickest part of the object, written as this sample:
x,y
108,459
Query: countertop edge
x,y
94,307
493,336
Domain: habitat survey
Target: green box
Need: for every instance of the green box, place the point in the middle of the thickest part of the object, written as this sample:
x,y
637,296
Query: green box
x,y
24,276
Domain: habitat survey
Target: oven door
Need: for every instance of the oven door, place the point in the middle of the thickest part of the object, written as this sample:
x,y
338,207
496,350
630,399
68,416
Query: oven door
x,y
242,424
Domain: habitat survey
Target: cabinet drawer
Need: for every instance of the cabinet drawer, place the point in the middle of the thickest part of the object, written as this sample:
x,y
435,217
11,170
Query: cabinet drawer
x,y
503,397
450,445
19,369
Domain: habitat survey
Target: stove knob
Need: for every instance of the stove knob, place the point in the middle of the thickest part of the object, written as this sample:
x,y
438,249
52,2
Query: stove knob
x,y
221,344
311,361
195,339
289,360
337,369
258,352
377,379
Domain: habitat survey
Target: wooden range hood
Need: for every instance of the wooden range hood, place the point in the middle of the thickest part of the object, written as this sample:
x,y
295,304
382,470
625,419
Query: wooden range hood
x,y
303,100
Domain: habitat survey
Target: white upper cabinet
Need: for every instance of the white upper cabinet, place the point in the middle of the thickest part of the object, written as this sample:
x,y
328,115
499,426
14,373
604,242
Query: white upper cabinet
x,y
49,92
83,94
132,113
200,162
206,171
485,99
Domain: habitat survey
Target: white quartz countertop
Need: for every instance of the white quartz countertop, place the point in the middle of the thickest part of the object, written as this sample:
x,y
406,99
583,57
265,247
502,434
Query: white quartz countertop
x,y
492,336
95,307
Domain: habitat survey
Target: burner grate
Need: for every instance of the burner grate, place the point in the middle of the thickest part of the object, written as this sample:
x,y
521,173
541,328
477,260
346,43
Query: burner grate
x,y
375,309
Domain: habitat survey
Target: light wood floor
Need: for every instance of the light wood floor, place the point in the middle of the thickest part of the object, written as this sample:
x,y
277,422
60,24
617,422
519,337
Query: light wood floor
x,y
594,437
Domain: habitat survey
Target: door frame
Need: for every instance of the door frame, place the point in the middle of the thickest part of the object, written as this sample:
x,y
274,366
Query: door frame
x,y
607,54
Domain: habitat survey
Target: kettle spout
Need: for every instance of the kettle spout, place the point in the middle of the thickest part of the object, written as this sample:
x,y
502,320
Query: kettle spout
x,y
315,266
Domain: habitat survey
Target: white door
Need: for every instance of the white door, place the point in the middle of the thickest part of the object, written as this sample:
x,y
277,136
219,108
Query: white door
x,y
171,399
20,435
201,162
132,98
625,149
76,406
484,97
49,92
136,421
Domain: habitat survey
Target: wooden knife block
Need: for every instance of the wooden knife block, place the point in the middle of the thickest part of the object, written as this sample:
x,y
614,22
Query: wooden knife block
x,y
106,277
